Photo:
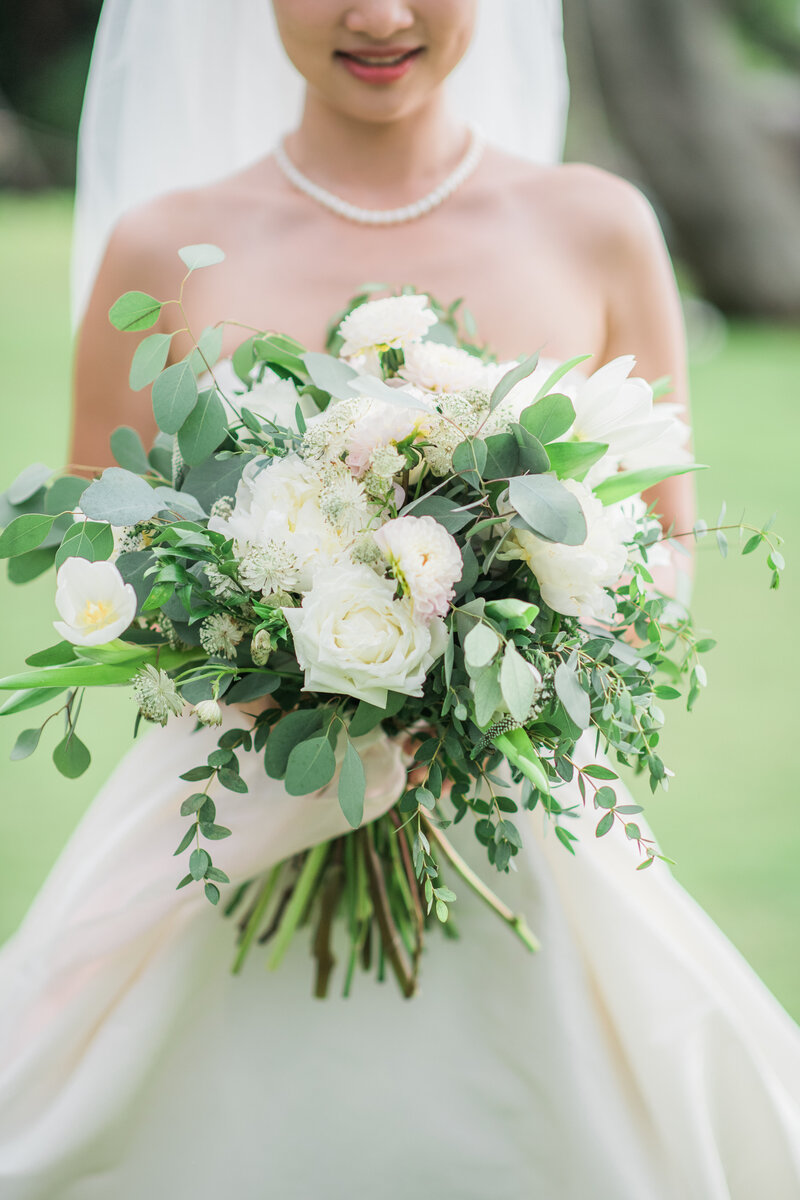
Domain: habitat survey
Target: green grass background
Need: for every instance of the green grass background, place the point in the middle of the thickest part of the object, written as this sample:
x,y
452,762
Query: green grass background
x,y
731,818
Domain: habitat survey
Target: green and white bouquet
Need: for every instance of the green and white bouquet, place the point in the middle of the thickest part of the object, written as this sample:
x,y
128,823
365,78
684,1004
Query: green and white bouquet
x,y
400,534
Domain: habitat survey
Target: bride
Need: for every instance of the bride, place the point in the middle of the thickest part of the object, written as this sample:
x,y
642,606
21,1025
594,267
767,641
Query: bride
x,y
636,1056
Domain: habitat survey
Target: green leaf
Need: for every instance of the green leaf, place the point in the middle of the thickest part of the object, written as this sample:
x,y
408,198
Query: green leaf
x,y
212,893
630,483
204,428
480,645
311,765
120,498
776,561
217,875
133,311
571,460
533,458
25,567
26,743
28,483
196,774
597,772
65,494
517,683
367,716
259,683
193,803
515,614
352,786
548,418
572,696
548,508
469,460
207,350
201,255
232,780
704,645
559,372
91,540
127,448
487,695
449,513
52,656
605,797
174,396
752,543
70,675
502,456
24,533
199,862
71,757
214,833
330,374
289,732
604,824
148,361
512,378
29,698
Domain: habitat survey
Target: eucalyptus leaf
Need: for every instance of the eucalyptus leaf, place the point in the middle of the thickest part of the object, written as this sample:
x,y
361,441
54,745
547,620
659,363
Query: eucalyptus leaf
x,y
207,350
289,732
559,372
512,378
28,482
215,478
469,460
204,428
148,360
91,540
480,645
548,508
548,418
487,695
65,493
502,456
367,716
24,533
352,786
572,696
182,502
119,497
448,513
330,374
25,567
134,311
259,683
518,683
571,460
174,396
533,457
71,756
26,743
201,255
127,448
311,765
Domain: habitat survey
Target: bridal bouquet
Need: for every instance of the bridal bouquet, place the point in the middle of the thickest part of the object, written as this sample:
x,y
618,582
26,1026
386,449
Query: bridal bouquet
x,y
400,535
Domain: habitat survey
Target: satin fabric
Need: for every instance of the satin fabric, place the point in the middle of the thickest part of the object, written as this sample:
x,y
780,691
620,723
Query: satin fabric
x,y
636,1056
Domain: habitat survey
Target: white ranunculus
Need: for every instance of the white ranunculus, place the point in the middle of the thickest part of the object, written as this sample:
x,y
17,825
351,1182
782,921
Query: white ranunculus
x,y
426,559
352,637
573,579
436,367
280,504
391,323
95,602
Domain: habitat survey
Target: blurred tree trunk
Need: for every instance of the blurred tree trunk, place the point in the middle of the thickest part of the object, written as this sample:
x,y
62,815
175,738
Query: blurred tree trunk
x,y
667,79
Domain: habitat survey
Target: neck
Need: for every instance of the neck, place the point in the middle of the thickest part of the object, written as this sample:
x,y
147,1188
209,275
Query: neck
x,y
377,164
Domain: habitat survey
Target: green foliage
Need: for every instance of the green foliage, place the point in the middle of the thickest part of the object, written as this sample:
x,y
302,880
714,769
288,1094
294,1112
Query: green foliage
x,y
134,311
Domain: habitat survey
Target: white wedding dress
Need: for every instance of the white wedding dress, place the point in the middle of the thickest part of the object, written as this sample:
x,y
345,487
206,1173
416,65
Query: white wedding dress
x,y
637,1056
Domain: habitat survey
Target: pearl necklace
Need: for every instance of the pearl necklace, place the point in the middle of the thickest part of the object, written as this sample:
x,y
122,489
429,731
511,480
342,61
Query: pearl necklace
x,y
383,216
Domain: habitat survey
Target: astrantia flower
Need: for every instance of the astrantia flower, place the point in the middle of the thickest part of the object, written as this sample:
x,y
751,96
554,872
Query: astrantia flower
x,y
95,602
221,585
460,415
269,568
425,559
351,636
387,461
573,579
208,712
156,694
392,323
440,368
220,634
343,501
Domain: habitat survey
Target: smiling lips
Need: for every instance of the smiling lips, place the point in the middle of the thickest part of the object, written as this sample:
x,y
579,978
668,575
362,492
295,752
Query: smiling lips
x,y
379,65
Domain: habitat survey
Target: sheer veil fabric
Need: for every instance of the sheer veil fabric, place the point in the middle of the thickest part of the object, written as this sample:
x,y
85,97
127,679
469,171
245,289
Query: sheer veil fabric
x,y
637,1056
152,121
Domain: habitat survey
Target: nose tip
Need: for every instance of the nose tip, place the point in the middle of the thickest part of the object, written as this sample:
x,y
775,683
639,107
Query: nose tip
x,y
378,19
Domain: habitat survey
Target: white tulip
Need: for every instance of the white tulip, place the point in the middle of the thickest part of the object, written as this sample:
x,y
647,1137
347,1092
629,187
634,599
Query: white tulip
x,y
95,602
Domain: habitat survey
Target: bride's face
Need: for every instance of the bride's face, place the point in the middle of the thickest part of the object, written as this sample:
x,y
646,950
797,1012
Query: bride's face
x,y
375,60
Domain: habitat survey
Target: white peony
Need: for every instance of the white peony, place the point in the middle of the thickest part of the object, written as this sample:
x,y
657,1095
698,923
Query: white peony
x,y
426,559
278,506
95,602
440,368
392,323
379,425
573,579
352,637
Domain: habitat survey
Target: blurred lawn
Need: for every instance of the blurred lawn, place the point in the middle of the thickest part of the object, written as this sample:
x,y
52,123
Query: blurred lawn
x,y
731,817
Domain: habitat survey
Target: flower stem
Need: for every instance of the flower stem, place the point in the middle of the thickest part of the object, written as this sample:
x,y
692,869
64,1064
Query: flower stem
x,y
255,917
303,890
513,920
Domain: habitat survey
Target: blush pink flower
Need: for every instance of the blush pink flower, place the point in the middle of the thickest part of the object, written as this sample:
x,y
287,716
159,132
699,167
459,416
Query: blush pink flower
x,y
425,559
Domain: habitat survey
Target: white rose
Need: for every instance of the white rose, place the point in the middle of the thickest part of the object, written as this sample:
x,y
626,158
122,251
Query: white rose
x,y
95,602
440,368
573,579
426,559
392,323
351,637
